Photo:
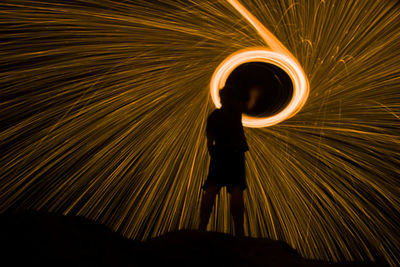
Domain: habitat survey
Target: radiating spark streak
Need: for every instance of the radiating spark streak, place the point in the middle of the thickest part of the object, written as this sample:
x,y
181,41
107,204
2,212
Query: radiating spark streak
x,y
389,110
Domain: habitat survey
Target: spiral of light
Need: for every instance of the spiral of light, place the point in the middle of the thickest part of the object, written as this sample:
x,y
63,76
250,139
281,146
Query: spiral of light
x,y
295,72
280,57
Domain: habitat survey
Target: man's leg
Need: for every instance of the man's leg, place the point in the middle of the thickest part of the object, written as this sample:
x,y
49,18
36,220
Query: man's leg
x,y
237,209
206,206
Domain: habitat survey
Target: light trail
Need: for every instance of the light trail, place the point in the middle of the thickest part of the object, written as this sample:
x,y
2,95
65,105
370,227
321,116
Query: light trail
x,y
277,55
300,84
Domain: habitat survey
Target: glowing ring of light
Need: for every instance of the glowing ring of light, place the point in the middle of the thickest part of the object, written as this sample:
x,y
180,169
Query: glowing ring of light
x,y
290,66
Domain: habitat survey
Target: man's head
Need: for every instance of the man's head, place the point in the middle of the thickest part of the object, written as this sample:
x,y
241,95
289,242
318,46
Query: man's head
x,y
232,97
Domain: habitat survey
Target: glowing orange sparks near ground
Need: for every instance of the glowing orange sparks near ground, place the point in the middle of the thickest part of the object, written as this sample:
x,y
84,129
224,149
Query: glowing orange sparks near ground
x,y
278,55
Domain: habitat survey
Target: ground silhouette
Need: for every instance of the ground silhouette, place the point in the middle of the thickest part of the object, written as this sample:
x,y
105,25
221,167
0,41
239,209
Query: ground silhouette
x,y
50,239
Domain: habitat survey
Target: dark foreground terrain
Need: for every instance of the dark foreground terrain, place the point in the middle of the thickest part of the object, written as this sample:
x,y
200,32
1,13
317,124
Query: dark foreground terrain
x,y
49,239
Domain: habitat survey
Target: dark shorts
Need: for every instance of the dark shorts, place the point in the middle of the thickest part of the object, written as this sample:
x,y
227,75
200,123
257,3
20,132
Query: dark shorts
x,y
227,168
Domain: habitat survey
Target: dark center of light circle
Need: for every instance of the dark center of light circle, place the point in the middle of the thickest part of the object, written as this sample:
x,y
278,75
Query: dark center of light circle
x,y
274,86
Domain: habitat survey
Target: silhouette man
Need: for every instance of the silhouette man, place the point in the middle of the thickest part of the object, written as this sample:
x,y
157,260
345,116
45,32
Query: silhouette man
x,y
227,146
